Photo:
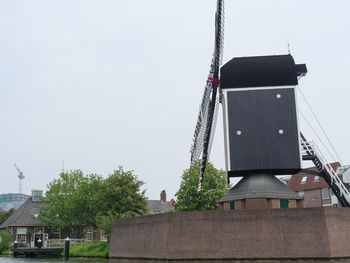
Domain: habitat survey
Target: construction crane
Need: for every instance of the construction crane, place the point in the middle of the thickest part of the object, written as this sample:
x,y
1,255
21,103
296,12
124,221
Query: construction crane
x,y
20,177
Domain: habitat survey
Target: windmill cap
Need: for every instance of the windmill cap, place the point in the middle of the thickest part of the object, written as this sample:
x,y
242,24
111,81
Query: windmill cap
x,y
261,71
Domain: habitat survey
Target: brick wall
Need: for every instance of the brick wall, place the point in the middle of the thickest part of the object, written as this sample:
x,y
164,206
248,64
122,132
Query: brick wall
x,y
313,198
245,234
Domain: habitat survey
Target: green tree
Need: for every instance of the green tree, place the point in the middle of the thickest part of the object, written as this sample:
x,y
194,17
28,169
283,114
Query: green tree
x,y
5,215
70,202
74,200
213,188
5,242
121,197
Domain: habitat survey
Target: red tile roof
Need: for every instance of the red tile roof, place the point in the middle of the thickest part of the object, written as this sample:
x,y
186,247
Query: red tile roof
x,y
295,180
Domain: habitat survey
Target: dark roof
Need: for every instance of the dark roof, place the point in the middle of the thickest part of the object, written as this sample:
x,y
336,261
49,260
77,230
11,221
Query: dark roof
x,y
262,71
310,183
157,206
260,186
23,215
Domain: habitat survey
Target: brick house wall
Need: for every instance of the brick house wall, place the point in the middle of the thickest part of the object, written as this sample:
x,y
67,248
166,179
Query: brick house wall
x,y
310,186
313,198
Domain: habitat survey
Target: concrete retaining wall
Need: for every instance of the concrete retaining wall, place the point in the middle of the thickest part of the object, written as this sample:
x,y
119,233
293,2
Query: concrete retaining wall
x,y
245,234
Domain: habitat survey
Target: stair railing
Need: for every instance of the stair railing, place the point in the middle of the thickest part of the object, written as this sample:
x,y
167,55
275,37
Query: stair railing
x,y
309,148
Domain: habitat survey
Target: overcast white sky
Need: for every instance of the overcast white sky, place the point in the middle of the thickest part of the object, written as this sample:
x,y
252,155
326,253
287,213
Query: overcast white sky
x,y
98,84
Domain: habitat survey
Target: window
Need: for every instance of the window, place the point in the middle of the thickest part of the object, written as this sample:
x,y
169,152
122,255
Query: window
x,y
232,205
303,180
21,238
55,233
284,203
316,178
103,236
315,199
21,230
301,194
89,233
21,234
38,230
326,193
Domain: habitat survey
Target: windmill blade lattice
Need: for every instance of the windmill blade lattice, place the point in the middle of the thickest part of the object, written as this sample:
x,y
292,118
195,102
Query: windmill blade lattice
x,y
208,111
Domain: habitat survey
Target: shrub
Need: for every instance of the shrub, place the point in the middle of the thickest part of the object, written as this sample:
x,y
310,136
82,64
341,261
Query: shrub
x,y
5,242
92,249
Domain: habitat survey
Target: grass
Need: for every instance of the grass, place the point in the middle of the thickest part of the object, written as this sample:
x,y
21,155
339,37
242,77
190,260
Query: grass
x,y
6,252
92,249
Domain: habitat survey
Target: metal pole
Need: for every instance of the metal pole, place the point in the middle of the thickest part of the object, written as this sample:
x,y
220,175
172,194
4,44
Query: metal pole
x,y
40,243
66,248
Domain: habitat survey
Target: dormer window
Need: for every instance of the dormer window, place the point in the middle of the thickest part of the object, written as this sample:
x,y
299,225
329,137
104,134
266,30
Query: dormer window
x,y
303,180
316,178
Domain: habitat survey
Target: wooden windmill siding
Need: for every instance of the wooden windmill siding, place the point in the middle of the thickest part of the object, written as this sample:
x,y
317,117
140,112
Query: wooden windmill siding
x,y
260,117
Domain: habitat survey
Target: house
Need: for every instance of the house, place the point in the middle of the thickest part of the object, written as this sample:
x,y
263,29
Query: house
x,y
159,206
313,188
22,224
26,229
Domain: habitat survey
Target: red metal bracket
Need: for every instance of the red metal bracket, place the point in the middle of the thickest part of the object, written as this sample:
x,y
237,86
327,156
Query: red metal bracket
x,y
214,81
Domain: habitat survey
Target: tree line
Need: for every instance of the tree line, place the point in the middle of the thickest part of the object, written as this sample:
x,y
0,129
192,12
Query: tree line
x,y
75,200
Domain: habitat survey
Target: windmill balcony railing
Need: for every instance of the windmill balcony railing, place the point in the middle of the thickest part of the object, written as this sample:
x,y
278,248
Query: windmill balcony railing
x,y
310,148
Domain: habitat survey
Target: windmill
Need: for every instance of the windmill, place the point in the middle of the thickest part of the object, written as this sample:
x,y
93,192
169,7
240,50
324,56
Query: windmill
x,y
20,177
208,111
261,127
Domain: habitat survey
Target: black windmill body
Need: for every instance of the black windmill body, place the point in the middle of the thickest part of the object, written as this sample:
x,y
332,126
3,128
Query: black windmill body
x,y
261,128
260,115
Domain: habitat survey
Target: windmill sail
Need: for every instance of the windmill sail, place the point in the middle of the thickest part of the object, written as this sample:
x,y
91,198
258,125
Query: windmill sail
x,y
206,122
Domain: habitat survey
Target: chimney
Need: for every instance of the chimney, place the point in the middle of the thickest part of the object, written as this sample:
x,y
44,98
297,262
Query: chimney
x,y
163,196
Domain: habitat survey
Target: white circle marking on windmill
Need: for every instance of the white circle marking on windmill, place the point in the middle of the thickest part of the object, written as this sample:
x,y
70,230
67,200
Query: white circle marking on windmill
x,y
278,96
281,131
239,132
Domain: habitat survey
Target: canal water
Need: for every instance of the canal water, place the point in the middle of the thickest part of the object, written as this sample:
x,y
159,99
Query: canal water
x,y
10,259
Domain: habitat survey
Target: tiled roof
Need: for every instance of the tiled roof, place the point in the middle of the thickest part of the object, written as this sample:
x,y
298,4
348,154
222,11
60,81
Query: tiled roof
x,y
260,186
23,215
157,206
310,183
